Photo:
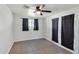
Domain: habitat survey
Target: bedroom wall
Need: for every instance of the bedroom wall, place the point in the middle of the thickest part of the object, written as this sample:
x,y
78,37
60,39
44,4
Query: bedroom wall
x,y
6,33
48,34
26,35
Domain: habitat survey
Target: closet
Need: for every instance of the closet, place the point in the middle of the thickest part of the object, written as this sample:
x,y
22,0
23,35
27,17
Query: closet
x,y
55,29
67,31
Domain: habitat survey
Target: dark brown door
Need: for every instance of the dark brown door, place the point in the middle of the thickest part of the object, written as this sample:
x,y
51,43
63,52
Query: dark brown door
x,y
67,33
55,29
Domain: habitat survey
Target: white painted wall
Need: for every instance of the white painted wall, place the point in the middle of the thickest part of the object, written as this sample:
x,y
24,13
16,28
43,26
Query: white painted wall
x,y
26,35
48,34
10,29
6,38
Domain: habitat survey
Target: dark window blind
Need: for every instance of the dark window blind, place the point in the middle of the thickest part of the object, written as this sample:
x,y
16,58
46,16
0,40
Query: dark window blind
x,y
36,25
25,24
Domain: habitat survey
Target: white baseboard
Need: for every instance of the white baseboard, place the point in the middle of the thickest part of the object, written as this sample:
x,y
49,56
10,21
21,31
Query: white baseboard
x,y
62,46
10,46
26,39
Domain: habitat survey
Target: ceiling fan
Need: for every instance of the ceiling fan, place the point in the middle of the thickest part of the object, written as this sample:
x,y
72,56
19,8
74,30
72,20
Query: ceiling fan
x,y
39,8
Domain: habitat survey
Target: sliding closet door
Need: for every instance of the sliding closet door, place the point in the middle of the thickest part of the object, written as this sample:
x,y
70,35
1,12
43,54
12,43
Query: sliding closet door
x,y
55,29
67,33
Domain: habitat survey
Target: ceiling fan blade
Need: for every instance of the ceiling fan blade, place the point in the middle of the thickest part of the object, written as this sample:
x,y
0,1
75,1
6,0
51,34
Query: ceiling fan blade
x,y
25,6
41,6
46,11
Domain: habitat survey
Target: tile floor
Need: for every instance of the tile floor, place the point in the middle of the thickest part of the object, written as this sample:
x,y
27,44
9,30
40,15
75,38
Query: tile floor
x,y
37,46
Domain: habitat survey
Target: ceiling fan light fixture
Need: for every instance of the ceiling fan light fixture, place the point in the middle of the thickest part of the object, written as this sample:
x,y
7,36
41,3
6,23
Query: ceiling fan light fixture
x,y
38,12
39,9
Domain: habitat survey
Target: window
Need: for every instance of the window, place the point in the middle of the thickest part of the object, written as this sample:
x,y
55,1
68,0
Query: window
x,y
25,24
31,24
36,25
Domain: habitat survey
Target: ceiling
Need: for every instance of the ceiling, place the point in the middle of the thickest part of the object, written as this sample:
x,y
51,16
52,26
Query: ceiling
x,y
56,8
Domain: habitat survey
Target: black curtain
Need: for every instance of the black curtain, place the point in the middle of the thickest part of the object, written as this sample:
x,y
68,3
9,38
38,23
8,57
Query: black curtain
x,y
55,29
25,24
36,26
67,34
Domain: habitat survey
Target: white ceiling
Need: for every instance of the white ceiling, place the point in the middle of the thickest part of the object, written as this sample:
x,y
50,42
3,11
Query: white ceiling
x,y
56,8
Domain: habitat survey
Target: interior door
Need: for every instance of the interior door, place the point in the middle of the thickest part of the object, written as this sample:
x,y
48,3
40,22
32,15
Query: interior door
x,y
55,29
67,33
